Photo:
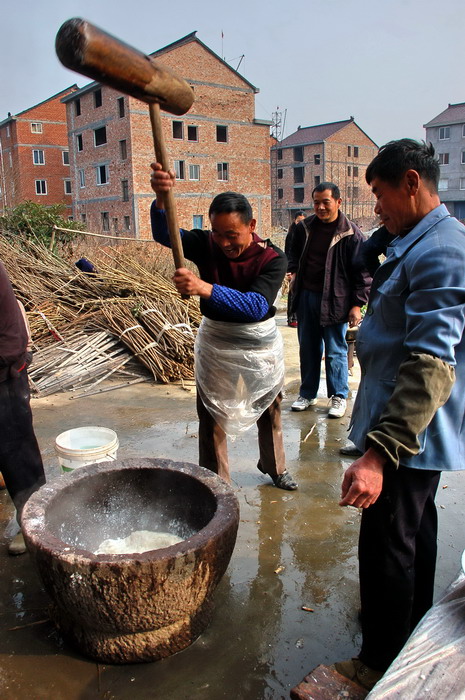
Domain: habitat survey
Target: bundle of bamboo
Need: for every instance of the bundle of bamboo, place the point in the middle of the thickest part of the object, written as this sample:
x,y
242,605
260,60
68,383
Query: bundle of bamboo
x,y
139,306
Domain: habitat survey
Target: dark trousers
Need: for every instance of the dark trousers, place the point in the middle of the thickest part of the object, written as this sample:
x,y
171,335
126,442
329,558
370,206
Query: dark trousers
x,y
397,560
213,449
20,459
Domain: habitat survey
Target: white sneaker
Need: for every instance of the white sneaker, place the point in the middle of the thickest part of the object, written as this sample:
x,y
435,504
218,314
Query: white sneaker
x,y
338,407
301,404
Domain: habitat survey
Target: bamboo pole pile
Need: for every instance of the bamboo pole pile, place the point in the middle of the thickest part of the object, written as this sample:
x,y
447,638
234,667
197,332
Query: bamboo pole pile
x,y
79,361
137,305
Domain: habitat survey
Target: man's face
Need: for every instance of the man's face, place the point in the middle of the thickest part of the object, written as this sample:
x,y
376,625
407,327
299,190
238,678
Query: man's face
x,y
326,207
231,234
299,218
393,205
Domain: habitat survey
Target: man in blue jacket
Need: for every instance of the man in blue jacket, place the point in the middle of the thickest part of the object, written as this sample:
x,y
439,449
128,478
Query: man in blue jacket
x,y
409,414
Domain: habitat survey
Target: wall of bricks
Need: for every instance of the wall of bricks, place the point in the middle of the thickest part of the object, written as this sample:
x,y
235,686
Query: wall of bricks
x,y
335,165
19,172
222,98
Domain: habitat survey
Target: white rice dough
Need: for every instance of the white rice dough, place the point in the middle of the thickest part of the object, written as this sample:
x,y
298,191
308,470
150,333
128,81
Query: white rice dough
x,y
137,542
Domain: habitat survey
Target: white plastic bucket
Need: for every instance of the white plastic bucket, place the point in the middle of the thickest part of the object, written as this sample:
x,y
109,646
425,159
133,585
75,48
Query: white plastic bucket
x,y
88,445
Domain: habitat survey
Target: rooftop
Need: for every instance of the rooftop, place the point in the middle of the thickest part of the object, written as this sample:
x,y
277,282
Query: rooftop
x,y
454,114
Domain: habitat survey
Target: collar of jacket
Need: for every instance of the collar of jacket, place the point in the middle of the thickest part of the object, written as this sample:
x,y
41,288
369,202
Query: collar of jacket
x,y
343,229
400,246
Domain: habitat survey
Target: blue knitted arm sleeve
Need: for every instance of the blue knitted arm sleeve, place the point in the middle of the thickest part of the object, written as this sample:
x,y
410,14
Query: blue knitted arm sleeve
x,y
240,306
160,226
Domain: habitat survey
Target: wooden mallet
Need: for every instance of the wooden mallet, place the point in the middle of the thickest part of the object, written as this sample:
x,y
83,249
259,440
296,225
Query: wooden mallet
x,y
86,49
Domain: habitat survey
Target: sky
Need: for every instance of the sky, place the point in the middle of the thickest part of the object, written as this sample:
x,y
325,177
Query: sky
x,y
391,64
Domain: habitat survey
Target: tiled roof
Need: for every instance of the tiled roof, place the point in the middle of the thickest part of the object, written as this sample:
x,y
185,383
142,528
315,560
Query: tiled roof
x,y
454,114
313,134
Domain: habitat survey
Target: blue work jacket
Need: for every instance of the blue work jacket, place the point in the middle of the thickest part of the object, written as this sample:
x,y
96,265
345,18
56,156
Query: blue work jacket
x,y
417,305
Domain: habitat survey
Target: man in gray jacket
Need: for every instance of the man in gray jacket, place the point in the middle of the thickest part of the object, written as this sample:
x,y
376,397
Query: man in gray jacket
x,y
329,289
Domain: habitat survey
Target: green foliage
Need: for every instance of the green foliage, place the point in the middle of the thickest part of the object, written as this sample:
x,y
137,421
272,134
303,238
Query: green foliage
x,y
31,220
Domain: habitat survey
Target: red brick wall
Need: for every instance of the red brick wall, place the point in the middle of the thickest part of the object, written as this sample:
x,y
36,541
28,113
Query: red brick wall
x,y
20,176
221,98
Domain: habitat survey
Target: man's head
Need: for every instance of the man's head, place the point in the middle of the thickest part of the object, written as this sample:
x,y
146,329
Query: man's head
x,y
299,216
326,201
232,223
404,178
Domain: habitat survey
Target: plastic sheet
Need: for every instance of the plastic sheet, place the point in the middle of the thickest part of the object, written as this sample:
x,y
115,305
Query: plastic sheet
x,y
239,371
432,662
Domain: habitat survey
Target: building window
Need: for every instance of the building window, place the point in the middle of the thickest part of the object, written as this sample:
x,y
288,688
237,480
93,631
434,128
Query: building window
x,y
280,173
299,174
115,224
349,151
280,153
41,186
192,133
102,174
444,158
463,158
178,130
355,151
443,184
298,154
98,98
36,127
462,183
280,193
77,107
65,157
127,223
317,158
444,133
8,132
38,157
121,109
105,220
463,130
10,160
67,186
221,133
298,194
316,180
179,169
223,171
84,218
197,221
123,149
79,144
349,170
82,178
355,192
100,136
194,172
355,170
125,190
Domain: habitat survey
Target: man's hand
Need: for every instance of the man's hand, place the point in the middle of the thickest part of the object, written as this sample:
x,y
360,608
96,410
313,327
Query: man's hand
x,y
363,480
291,277
188,283
161,182
355,316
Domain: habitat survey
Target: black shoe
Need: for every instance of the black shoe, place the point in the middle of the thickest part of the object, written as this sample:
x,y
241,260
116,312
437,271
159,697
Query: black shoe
x,y
285,481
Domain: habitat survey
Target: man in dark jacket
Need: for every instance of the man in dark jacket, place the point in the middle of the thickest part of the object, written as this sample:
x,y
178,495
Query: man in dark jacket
x,y
291,315
329,290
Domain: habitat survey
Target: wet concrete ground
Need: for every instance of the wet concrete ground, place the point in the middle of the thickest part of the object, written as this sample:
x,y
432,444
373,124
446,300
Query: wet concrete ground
x,y
293,549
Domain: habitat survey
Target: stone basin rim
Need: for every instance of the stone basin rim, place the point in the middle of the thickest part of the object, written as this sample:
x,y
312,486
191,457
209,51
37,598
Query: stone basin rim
x,y
36,530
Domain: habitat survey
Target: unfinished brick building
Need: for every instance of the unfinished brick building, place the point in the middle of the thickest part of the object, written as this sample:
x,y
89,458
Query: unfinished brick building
x,y
337,152
34,156
217,146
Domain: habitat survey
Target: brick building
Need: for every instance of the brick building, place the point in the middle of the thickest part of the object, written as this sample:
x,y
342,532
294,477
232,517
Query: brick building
x,y
337,152
34,155
447,134
217,146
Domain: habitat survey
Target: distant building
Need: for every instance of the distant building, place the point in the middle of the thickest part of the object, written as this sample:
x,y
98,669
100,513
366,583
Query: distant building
x,y
447,134
337,152
217,146
34,155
